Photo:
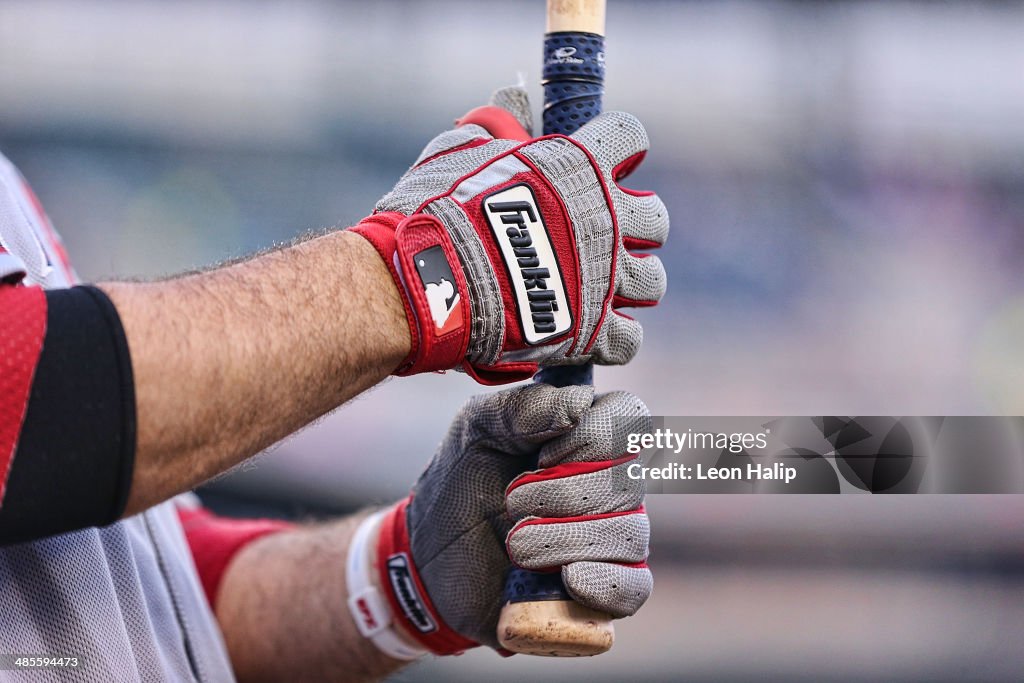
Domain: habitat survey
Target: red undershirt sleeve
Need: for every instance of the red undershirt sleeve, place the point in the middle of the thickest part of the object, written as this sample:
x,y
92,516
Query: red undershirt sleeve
x,y
215,541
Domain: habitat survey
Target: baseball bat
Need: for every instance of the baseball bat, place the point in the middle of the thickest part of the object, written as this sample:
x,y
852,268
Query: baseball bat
x,y
539,617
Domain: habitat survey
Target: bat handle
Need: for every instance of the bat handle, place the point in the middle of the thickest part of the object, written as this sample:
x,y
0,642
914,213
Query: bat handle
x,y
539,616
573,90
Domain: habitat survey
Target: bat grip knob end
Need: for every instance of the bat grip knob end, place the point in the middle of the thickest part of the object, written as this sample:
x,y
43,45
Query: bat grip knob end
x,y
554,628
540,618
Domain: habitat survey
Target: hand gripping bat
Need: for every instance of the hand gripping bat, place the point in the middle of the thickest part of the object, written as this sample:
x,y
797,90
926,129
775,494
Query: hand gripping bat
x,y
539,616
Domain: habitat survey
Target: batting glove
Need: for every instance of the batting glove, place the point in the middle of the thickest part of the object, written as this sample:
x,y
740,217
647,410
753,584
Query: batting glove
x,y
511,252
442,554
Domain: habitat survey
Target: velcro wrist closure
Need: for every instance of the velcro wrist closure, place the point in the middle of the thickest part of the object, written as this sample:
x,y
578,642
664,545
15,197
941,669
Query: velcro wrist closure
x,y
426,269
406,594
369,608
379,230
439,295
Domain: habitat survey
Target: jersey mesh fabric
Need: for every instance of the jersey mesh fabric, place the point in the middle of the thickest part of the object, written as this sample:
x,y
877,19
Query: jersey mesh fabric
x,y
118,597
25,310
27,233
126,598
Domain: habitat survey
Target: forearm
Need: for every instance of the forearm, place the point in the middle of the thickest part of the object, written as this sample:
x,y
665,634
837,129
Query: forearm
x,y
282,607
229,361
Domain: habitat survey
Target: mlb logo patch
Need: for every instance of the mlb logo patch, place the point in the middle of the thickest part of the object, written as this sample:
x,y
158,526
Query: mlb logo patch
x,y
441,290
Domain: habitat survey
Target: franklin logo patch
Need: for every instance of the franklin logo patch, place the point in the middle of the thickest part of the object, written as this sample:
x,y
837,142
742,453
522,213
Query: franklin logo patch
x,y
408,596
440,289
532,268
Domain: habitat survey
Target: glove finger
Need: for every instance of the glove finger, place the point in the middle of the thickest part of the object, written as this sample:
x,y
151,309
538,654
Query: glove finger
x,y
640,280
614,138
452,139
610,588
525,415
515,100
643,219
507,117
618,341
542,543
575,489
601,433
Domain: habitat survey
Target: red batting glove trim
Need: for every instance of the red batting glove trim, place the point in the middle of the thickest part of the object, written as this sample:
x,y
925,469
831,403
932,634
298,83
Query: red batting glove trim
x,y
503,373
443,332
615,258
22,329
634,243
439,335
533,521
542,187
559,233
627,166
624,302
606,304
379,231
568,469
572,270
579,518
475,142
400,582
500,123
633,565
214,542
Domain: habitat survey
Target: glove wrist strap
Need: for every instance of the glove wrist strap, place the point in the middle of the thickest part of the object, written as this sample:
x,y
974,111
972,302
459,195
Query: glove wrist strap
x,y
406,593
426,269
370,610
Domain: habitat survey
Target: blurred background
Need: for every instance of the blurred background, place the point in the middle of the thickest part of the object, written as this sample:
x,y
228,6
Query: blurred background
x,y
847,196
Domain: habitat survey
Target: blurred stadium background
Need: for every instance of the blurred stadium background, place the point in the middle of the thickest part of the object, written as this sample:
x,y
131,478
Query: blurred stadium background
x,y
847,195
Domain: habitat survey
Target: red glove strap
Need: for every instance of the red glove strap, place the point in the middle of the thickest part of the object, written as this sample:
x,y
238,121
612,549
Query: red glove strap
x,y
495,375
437,287
423,263
566,469
500,123
405,592
534,521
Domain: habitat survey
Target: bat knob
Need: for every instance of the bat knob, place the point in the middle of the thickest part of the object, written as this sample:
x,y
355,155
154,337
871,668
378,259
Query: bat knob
x,y
539,618
554,628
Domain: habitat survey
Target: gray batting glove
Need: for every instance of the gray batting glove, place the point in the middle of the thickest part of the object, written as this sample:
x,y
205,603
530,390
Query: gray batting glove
x,y
511,252
444,552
